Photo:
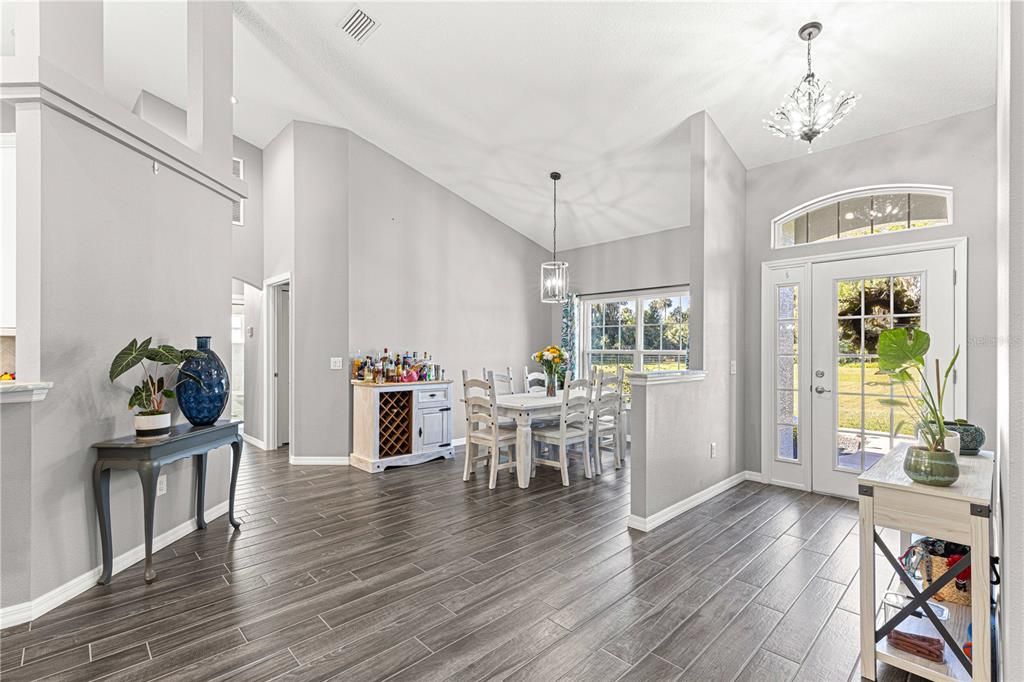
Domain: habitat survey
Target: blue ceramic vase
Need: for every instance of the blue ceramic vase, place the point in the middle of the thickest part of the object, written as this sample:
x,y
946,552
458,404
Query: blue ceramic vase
x,y
202,404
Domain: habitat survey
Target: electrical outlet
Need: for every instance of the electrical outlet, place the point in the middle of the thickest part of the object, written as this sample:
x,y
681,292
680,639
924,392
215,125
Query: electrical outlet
x,y
714,450
161,485
337,363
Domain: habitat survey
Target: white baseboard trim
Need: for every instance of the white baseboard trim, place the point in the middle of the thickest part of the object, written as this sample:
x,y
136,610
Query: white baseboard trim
x,y
649,523
319,461
30,610
254,441
456,442
785,484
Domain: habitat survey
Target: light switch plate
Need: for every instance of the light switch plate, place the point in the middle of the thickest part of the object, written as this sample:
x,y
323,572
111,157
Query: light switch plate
x,y
714,450
337,363
161,485
732,367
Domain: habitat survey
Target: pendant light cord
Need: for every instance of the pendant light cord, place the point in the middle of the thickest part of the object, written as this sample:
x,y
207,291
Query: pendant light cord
x,y
554,213
809,69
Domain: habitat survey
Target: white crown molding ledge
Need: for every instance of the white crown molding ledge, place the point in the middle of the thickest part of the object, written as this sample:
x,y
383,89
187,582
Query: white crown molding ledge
x,y
30,610
667,377
23,391
33,80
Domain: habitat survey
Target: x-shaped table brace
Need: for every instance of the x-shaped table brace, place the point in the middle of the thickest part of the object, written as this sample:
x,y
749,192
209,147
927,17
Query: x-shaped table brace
x,y
920,600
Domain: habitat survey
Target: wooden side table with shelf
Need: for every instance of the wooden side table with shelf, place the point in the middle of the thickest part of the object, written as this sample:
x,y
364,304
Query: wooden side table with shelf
x,y
959,513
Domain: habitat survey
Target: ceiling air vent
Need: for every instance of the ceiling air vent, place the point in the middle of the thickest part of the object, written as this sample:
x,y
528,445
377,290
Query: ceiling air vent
x,y
359,25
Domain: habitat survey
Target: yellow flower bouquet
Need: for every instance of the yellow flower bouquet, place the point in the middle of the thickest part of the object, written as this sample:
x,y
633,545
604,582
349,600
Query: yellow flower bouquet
x,y
553,360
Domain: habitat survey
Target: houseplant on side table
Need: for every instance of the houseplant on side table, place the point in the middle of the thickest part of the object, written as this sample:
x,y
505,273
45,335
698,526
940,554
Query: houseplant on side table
x,y
159,379
901,356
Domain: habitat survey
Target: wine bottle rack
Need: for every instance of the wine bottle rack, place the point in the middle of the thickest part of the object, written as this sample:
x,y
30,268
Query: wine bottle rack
x,y
395,423
400,424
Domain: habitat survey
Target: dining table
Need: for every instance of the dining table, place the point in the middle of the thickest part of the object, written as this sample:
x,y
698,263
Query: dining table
x,y
527,408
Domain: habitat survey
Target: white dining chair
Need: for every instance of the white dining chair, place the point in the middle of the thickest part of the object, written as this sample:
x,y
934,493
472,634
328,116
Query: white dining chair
x,y
503,384
483,432
606,422
572,428
534,382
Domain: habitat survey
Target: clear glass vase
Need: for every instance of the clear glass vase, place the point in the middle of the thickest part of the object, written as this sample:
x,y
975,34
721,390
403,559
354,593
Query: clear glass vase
x,y
551,382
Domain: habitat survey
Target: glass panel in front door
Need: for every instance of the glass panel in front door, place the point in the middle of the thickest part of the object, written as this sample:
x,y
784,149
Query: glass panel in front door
x,y
787,379
868,423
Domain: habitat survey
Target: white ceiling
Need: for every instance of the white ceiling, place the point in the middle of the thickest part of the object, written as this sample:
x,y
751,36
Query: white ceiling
x,y
488,98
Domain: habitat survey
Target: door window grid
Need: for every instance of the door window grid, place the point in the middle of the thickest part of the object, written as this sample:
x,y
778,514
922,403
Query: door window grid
x,y
787,379
868,425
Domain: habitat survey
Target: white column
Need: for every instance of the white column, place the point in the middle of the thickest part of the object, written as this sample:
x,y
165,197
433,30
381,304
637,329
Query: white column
x,y
210,82
65,33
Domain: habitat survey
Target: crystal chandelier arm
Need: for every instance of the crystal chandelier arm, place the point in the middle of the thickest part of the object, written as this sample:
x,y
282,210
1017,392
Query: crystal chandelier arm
x,y
809,110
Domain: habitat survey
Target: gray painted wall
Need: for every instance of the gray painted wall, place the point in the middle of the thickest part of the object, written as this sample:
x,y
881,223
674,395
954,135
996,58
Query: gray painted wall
x,y
247,239
650,260
105,207
466,287
320,292
683,420
279,203
957,151
253,408
384,256
15,503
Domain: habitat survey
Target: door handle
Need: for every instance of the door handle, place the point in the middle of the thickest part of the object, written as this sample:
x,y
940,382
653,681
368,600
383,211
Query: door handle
x,y
421,432
821,389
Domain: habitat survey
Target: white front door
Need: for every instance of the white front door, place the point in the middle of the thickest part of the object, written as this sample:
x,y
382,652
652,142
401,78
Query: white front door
x,y
853,420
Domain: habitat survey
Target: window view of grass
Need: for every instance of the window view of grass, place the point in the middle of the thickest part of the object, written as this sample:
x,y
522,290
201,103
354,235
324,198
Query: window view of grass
x,y
865,308
656,339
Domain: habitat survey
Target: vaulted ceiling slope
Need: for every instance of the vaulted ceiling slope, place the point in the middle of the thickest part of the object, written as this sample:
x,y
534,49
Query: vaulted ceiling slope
x,y
488,98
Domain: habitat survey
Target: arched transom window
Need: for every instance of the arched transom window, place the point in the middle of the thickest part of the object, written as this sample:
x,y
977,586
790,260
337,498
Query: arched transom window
x,y
864,212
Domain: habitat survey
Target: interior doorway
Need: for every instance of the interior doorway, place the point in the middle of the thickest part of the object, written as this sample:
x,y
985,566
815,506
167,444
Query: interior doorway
x,y
277,294
827,414
237,405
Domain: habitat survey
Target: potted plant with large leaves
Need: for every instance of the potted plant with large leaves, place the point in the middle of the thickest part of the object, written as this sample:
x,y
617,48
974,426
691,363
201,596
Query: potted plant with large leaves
x,y
901,357
160,377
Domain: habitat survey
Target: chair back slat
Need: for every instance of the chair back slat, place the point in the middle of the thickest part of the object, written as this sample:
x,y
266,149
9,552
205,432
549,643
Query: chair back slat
x,y
503,384
576,398
481,407
534,382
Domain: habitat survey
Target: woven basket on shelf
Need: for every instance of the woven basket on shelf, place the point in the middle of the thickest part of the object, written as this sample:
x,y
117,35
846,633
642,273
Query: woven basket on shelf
x,y
932,569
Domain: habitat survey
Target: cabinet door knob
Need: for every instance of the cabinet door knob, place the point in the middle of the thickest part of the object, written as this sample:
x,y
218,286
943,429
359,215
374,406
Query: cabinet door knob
x,y
421,432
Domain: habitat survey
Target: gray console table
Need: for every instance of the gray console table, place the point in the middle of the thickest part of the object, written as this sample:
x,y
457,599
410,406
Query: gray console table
x,y
148,456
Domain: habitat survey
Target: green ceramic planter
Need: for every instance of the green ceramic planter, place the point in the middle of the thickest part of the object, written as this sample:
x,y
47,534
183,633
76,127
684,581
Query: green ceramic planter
x,y
931,468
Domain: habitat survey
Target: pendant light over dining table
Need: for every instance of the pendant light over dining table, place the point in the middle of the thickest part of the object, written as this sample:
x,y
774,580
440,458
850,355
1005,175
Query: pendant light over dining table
x,y
554,275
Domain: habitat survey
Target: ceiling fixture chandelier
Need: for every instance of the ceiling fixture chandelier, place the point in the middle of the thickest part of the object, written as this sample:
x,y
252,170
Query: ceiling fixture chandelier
x,y
554,275
810,110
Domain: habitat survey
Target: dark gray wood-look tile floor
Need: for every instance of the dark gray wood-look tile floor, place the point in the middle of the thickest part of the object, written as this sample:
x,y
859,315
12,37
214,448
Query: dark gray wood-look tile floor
x,y
415,575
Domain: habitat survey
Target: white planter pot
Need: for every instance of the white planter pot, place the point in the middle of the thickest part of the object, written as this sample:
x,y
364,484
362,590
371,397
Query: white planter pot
x,y
152,425
953,442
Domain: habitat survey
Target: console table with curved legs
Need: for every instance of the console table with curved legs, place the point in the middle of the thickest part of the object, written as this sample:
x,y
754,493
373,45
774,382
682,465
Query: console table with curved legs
x,y
148,457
